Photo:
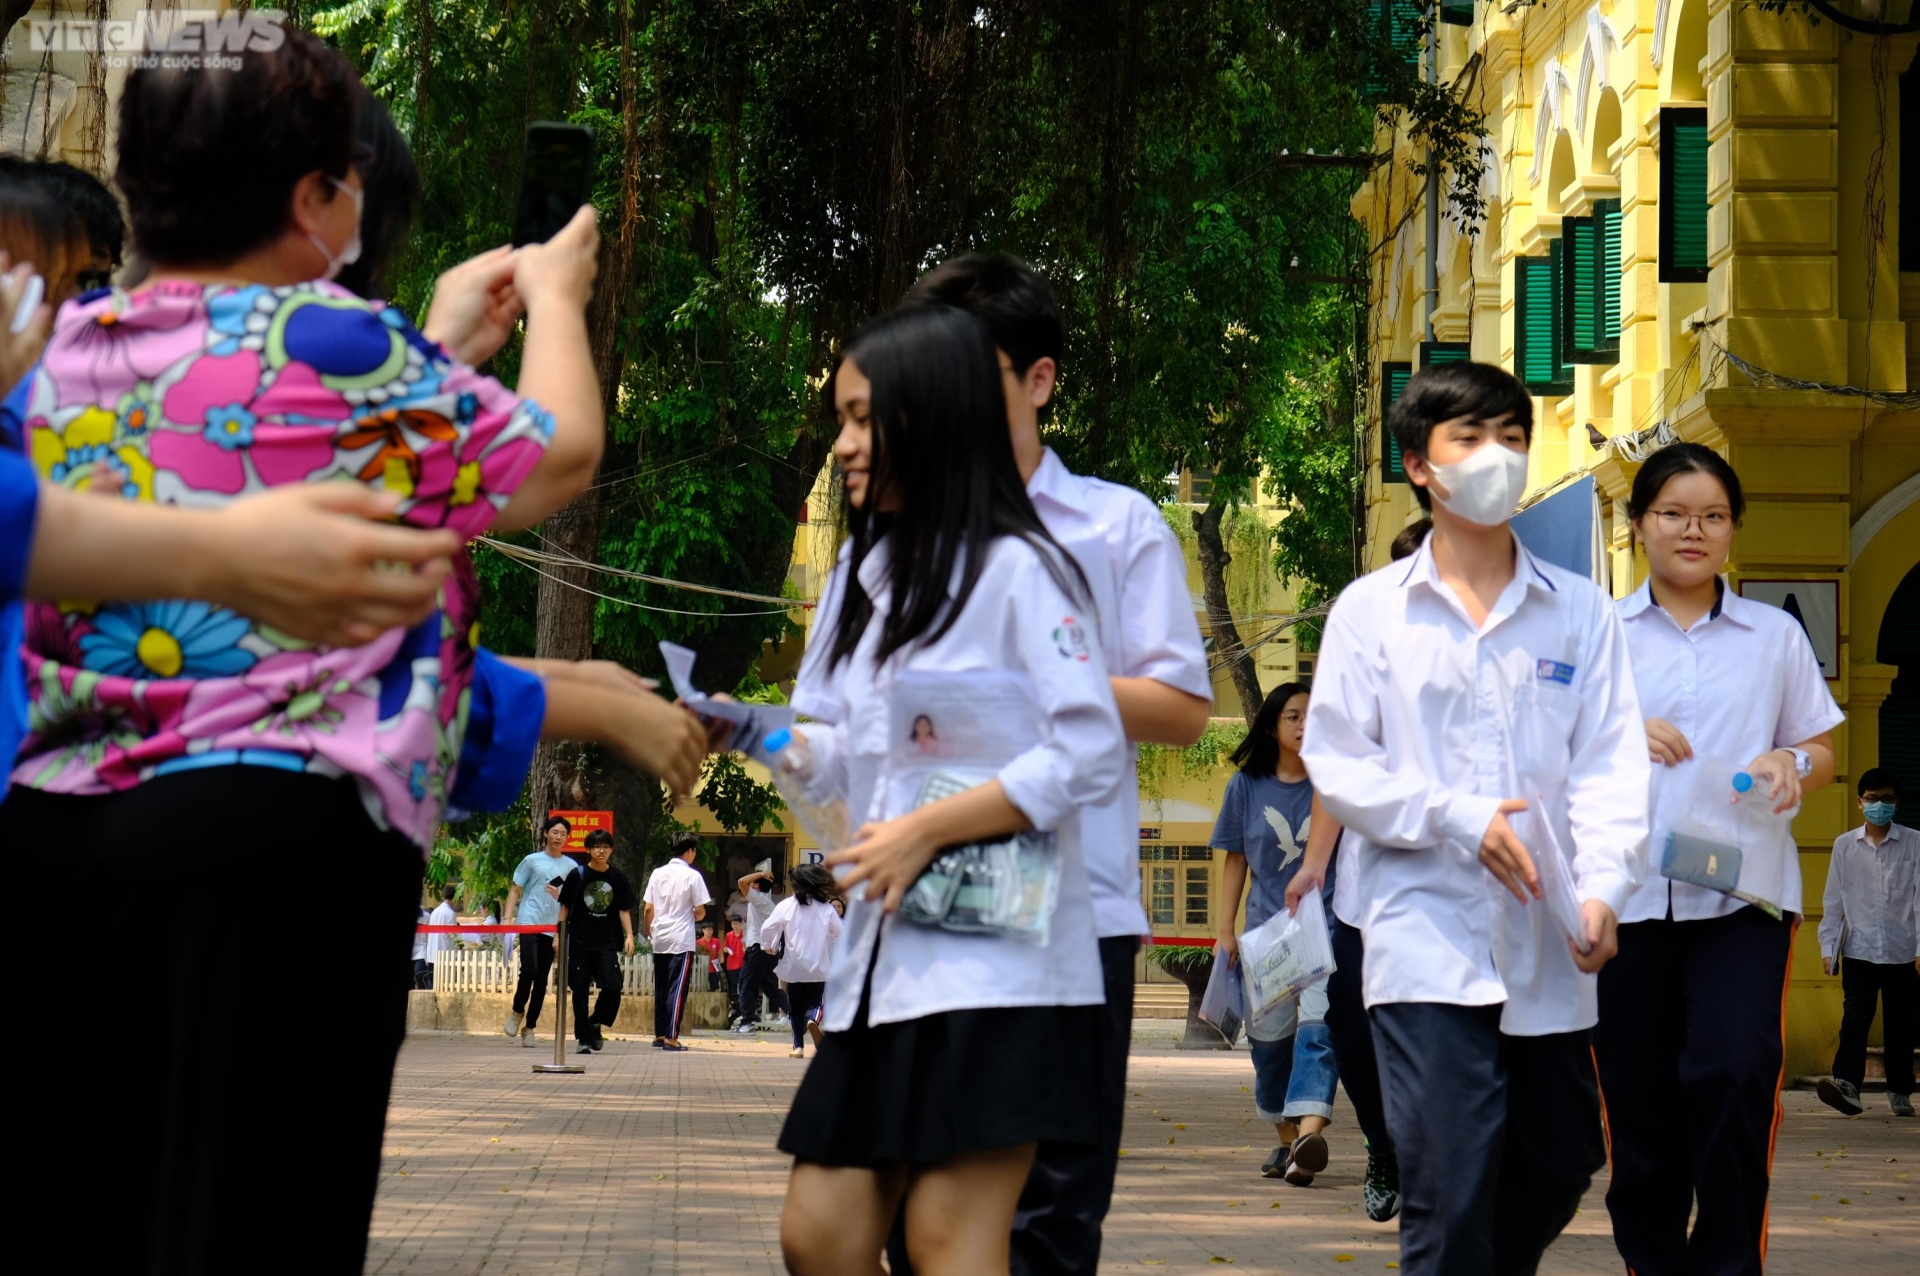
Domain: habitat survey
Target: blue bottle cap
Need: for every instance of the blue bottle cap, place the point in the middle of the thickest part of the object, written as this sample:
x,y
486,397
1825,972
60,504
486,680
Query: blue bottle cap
x,y
1742,782
781,738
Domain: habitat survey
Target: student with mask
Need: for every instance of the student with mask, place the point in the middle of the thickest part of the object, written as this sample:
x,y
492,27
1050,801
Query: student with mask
x,y
1867,931
948,1057
1691,1039
1451,688
1151,643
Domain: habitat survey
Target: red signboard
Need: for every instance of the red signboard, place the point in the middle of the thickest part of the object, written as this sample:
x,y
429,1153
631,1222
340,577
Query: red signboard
x,y
583,822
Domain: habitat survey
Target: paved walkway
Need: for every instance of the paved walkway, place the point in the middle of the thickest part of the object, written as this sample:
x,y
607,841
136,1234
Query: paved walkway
x,y
659,1163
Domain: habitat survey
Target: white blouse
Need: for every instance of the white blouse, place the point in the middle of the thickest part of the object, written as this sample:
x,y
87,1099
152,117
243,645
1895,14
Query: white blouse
x,y
1018,620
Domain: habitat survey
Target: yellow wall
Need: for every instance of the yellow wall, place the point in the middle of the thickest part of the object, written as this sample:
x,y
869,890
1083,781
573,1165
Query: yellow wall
x,y
1793,123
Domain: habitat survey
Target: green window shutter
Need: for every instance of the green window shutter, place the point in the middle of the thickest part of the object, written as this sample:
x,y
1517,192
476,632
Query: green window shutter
x,y
1458,13
1434,354
1683,194
1397,23
1393,383
1606,240
1562,336
1578,294
1536,325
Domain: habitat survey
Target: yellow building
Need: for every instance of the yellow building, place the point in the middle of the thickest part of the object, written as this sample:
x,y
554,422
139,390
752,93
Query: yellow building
x,y
1694,231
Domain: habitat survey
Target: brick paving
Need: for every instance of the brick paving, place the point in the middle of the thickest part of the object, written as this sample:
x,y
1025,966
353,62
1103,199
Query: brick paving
x,y
662,1163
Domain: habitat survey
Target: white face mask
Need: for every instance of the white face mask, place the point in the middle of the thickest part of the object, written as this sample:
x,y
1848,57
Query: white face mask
x,y
1485,487
351,253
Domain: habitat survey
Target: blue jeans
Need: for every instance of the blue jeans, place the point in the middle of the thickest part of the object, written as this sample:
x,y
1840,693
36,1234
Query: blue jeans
x,y
1295,1076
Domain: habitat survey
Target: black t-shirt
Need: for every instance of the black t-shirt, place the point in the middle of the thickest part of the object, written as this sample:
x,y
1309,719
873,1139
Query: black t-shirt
x,y
594,902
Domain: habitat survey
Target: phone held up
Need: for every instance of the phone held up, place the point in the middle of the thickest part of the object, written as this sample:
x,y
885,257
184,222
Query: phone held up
x,y
556,178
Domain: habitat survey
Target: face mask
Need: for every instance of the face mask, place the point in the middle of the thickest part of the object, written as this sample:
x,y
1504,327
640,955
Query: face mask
x,y
1485,487
351,253
1879,814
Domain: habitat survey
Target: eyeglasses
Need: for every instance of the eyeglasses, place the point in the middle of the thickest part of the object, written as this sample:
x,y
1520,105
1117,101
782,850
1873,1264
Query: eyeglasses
x,y
1293,717
1715,526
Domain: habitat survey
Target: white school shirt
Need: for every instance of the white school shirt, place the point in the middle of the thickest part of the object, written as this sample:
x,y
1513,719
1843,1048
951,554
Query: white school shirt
x,y
1742,681
1138,574
1008,625
1346,868
759,908
810,932
1421,724
441,942
674,889
1872,898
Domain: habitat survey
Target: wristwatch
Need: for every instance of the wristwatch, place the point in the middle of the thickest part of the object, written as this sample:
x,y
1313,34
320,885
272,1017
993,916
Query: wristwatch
x,y
1802,762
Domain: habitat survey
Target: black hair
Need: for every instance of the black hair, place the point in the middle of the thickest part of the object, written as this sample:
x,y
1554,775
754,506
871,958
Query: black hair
x,y
209,157
88,198
599,837
1674,460
812,884
390,197
1410,538
940,440
1445,391
1259,753
552,820
38,226
1004,293
448,891
681,843
1879,777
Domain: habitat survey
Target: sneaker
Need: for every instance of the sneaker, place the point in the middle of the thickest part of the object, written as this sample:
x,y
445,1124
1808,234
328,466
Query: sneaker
x,y
513,1025
813,1030
746,1028
798,1052
526,1037
1902,1104
1381,1191
779,1023
1306,1158
585,1047
1275,1165
1841,1096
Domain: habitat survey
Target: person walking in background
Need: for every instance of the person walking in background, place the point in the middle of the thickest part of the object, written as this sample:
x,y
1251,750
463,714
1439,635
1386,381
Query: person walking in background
x,y
597,904
422,969
676,898
1265,821
1691,1045
1867,929
440,943
758,979
534,900
1449,684
712,950
735,950
802,931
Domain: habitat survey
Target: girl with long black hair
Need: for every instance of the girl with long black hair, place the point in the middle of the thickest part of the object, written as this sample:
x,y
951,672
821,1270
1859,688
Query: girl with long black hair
x,y
947,1056
803,930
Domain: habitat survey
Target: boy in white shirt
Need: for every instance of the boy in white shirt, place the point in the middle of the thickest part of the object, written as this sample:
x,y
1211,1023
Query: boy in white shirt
x,y
1452,689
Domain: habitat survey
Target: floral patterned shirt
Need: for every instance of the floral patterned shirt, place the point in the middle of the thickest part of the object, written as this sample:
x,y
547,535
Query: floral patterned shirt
x,y
194,395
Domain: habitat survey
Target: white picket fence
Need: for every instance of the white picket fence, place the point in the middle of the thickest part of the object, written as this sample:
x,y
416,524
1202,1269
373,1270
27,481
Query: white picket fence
x,y
484,970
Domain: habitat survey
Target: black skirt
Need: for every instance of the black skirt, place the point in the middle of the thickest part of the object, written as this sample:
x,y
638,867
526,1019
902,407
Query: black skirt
x,y
927,1089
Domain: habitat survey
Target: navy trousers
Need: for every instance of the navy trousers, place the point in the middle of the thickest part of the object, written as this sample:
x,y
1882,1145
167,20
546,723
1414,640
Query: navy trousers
x,y
1690,1049
1353,1036
1498,1136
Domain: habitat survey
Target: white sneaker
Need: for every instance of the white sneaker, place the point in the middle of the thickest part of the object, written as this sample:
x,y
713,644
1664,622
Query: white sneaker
x,y
527,1038
744,1030
513,1025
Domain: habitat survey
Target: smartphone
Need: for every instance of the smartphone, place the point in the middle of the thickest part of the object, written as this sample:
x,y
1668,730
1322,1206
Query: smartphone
x,y
556,177
30,298
558,883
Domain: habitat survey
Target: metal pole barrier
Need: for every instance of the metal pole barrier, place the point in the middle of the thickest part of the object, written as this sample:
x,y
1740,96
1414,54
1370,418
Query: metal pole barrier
x,y
561,992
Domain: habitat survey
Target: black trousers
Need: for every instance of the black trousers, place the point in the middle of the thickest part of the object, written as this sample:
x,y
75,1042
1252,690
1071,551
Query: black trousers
x,y
194,1103
803,999
1690,1049
672,981
1056,1227
757,980
587,967
1352,1035
1897,989
536,965
1498,1136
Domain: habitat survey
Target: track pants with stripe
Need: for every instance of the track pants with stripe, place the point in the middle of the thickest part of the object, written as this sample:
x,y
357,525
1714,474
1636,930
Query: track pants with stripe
x,y
672,980
1690,1049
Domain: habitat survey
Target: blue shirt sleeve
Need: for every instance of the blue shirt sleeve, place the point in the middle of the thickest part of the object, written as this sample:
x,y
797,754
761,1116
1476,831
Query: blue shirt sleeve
x,y
1229,831
19,506
504,717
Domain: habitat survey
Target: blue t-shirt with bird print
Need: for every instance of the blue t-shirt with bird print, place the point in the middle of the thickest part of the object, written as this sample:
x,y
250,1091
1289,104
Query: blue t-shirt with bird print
x,y
1266,819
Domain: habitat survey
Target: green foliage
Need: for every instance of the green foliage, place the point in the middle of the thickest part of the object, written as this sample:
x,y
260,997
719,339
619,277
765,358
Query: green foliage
x,y
1184,958
1198,760
742,806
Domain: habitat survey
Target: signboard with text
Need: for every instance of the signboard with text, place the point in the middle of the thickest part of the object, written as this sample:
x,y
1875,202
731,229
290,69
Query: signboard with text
x,y
583,822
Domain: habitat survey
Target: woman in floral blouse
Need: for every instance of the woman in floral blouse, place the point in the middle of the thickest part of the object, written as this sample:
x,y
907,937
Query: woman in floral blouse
x,y
175,745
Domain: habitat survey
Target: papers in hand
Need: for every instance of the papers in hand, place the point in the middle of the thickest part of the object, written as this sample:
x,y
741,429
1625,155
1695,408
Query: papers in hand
x,y
1285,954
752,723
1556,876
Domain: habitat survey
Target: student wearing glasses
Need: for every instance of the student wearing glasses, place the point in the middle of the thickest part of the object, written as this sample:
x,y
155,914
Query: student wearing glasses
x,y
1690,1044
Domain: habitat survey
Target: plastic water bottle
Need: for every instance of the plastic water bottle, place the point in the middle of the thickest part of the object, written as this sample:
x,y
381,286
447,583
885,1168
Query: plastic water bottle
x,y
1751,797
791,761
